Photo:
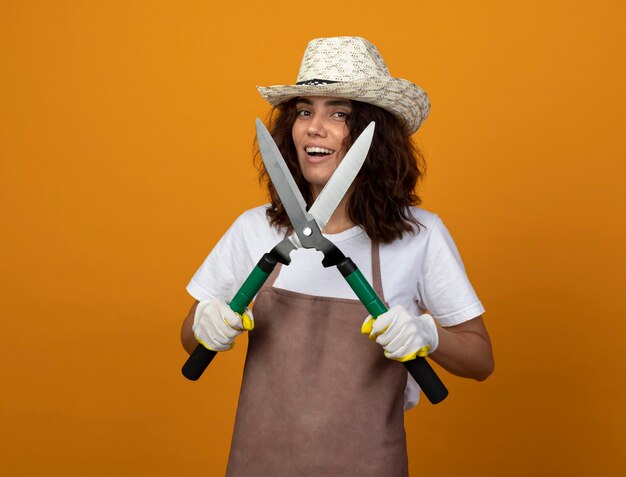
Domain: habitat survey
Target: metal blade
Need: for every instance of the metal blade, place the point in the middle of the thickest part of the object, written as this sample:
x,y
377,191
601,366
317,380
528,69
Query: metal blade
x,y
283,182
341,180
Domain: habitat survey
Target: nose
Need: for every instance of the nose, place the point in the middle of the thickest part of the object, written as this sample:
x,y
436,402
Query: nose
x,y
317,126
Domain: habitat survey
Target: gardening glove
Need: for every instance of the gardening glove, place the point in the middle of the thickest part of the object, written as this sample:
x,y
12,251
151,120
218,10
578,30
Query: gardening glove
x,y
216,326
402,335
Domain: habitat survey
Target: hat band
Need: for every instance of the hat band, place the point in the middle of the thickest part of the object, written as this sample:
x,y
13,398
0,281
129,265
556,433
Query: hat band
x,y
315,82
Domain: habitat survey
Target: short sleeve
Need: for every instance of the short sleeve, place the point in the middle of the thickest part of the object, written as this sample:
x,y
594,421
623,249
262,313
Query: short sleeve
x,y
224,269
444,288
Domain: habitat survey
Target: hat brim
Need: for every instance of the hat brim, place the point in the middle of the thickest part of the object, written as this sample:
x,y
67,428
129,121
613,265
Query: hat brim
x,y
403,98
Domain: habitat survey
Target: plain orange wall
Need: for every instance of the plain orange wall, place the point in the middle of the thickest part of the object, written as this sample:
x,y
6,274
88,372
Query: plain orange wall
x,y
126,133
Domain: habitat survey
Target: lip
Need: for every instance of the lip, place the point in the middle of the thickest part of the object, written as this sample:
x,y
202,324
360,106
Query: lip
x,y
318,159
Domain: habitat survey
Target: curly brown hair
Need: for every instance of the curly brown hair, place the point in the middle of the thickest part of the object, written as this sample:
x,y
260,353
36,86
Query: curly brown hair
x,y
384,188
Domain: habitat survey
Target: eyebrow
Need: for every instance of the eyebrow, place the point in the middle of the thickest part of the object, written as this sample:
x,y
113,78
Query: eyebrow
x,y
330,102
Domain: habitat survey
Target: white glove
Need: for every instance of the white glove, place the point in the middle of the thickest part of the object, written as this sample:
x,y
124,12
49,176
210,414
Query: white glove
x,y
402,335
216,326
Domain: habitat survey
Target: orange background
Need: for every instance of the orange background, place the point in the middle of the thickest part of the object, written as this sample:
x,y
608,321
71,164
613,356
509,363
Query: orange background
x,y
126,133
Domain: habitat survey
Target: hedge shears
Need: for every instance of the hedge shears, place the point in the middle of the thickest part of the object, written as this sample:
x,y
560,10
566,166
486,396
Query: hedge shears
x,y
308,226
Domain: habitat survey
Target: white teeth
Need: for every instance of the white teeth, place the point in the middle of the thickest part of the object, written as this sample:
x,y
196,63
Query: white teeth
x,y
319,150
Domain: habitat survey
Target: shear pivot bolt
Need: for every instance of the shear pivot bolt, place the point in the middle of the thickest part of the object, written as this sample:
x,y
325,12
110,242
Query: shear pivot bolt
x,y
307,231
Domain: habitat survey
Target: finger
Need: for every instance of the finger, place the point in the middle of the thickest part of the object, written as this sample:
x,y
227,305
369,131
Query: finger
x,y
402,357
231,318
395,329
381,324
383,339
366,327
213,346
393,340
389,335
399,357
248,321
227,331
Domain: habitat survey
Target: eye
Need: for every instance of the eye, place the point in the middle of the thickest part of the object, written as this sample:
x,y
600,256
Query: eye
x,y
341,115
303,112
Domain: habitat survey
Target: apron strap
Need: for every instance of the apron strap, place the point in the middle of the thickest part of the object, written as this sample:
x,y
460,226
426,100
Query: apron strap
x,y
376,275
269,283
273,276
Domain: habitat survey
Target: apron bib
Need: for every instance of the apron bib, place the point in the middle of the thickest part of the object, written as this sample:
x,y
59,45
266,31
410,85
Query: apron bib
x,y
318,398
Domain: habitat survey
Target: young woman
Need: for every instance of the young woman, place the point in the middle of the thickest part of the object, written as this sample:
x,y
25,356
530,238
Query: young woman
x,y
318,397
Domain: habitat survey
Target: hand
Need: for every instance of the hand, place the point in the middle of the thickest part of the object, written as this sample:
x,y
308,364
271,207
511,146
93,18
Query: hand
x,y
402,335
216,326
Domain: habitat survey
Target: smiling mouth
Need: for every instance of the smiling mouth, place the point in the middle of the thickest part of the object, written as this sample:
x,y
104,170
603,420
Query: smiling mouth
x,y
318,151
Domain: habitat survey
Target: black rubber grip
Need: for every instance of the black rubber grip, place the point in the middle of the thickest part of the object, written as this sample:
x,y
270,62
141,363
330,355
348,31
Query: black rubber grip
x,y
197,362
427,379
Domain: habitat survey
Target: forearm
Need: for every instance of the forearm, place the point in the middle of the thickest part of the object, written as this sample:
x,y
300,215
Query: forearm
x,y
465,350
187,337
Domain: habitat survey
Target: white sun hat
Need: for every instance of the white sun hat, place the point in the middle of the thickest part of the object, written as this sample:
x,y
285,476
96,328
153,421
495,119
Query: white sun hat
x,y
351,67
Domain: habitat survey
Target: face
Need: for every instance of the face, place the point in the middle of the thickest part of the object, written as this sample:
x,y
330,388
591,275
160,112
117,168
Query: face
x,y
318,134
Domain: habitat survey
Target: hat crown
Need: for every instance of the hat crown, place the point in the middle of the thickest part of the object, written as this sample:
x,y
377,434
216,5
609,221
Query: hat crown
x,y
350,67
344,58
